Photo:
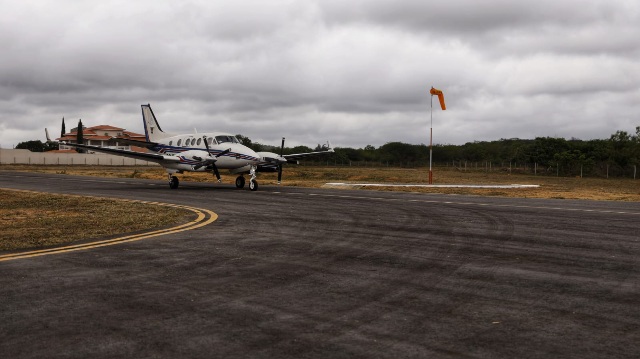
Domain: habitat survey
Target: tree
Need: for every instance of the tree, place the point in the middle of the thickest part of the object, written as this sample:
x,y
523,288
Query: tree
x,y
399,153
255,145
33,146
621,148
79,136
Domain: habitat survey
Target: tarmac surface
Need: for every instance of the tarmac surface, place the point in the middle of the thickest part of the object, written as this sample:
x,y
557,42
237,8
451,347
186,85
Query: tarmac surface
x,y
290,272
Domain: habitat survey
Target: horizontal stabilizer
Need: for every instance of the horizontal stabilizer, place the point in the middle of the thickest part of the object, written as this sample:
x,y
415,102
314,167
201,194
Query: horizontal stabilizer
x,y
128,141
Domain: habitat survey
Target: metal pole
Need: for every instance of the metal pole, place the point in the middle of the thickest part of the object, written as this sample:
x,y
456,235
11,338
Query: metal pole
x,y
431,144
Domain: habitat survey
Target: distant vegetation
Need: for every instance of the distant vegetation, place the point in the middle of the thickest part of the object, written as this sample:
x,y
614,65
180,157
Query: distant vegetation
x,y
617,156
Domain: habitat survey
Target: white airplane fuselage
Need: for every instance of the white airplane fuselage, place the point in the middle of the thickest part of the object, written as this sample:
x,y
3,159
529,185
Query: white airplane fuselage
x,y
191,150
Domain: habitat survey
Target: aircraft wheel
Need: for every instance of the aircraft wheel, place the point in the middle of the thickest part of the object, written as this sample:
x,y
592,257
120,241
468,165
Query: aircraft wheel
x,y
240,182
174,182
253,185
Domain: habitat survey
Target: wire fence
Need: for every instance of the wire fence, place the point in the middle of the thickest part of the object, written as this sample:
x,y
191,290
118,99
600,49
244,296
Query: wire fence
x,y
600,170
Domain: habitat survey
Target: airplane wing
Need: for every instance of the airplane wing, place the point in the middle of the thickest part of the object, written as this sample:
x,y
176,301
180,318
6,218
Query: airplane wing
x,y
293,158
152,157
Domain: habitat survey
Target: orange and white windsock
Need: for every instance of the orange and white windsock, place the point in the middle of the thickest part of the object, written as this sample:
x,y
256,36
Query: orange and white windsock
x,y
435,91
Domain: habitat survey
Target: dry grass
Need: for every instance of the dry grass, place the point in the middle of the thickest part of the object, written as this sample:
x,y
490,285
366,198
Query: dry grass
x,y
35,220
615,189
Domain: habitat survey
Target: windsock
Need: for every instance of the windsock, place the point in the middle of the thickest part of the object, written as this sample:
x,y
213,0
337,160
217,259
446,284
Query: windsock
x,y
435,91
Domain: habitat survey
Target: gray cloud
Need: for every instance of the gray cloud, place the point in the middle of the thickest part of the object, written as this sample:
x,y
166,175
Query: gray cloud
x,y
356,73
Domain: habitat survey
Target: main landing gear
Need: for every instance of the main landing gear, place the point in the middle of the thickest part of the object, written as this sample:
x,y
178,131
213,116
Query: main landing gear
x,y
173,182
240,182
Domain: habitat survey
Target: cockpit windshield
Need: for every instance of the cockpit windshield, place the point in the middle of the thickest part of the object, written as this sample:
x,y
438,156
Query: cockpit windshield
x,y
225,138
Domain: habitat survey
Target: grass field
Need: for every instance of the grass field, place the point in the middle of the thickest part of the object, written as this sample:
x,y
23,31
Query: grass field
x,y
32,220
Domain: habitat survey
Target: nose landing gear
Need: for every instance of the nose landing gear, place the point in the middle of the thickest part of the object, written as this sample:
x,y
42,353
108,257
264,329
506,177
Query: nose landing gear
x,y
253,184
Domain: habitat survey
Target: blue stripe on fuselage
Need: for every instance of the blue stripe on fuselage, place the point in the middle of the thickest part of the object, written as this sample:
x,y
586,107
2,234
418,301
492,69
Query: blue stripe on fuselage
x,y
172,150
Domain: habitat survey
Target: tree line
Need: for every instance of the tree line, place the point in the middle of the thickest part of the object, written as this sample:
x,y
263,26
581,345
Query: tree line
x,y
617,156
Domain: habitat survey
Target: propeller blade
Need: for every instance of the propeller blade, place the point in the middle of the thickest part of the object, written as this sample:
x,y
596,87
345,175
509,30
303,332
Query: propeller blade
x,y
206,144
213,163
223,152
280,164
216,172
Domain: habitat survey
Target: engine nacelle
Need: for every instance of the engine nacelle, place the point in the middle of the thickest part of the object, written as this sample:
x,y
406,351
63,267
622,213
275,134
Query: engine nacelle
x,y
197,156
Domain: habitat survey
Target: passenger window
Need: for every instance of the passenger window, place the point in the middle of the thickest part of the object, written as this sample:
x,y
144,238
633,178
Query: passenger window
x,y
199,141
179,142
209,140
170,143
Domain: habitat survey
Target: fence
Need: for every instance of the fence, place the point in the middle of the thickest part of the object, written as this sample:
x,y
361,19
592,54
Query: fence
x,y
12,156
602,170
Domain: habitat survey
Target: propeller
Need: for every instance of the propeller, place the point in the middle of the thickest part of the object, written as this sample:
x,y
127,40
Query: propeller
x,y
213,163
280,164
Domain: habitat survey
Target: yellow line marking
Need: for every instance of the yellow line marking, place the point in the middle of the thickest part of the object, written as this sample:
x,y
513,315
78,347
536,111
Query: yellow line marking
x,y
204,217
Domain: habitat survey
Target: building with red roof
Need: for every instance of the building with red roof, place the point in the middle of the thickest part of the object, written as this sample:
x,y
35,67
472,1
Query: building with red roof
x,y
103,136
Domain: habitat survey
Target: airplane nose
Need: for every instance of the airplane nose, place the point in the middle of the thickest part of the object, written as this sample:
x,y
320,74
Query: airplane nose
x,y
254,156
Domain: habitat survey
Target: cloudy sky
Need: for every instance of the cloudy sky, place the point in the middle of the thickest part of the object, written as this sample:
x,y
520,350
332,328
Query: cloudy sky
x,y
354,72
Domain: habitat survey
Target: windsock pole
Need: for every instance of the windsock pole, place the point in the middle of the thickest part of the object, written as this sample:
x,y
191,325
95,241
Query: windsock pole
x,y
434,91
431,144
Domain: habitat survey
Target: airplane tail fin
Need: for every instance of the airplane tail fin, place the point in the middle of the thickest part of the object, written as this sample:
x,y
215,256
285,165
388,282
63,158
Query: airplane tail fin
x,y
152,129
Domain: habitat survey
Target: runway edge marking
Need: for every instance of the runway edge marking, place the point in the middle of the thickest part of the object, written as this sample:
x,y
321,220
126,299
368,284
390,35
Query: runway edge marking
x,y
203,218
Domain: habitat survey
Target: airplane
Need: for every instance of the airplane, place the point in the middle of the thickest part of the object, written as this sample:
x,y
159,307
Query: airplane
x,y
203,152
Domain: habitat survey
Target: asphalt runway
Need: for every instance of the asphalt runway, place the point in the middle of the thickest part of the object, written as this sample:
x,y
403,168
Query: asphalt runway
x,y
290,272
